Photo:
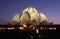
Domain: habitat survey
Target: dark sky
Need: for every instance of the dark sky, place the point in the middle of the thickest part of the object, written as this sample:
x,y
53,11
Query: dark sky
x,y
9,8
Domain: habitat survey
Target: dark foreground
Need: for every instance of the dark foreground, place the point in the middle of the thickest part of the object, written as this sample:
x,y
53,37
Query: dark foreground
x,y
26,34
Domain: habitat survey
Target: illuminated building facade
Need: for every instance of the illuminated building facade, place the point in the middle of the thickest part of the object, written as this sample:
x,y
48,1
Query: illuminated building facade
x,y
30,14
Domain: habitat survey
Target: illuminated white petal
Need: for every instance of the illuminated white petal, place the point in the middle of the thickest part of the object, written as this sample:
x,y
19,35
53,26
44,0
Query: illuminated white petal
x,y
42,17
16,18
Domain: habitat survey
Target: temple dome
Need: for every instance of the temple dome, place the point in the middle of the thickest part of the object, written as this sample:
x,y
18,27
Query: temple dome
x,y
30,14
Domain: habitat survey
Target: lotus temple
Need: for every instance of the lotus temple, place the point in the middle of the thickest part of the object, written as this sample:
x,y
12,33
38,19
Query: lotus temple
x,y
29,14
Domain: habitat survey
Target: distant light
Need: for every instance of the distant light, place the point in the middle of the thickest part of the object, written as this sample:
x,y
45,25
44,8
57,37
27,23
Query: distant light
x,y
52,28
10,28
21,28
24,25
39,36
33,28
37,31
31,36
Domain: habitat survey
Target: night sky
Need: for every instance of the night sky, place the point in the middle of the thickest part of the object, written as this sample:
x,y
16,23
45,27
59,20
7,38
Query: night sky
x,y
9,8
